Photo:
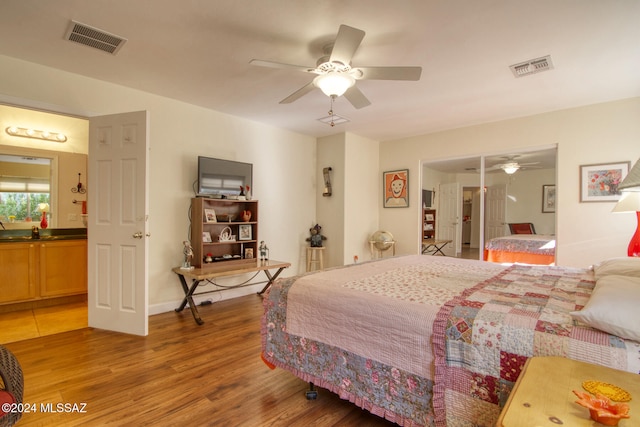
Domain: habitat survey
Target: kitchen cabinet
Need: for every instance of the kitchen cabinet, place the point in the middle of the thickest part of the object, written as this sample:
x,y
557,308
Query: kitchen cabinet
x,y
36,270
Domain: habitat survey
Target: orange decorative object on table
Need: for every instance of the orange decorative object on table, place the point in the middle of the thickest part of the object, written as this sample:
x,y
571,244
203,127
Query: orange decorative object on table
x,y
602,409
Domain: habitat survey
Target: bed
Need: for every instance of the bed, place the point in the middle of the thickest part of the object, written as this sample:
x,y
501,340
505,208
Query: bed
x,y
523,248
431,341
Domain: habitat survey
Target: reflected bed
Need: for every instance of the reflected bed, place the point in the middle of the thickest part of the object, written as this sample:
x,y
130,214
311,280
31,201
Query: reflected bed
x,y
522,248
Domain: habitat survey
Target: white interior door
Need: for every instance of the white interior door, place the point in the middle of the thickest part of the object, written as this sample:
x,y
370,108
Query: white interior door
x,y
118,222
448,218
495,211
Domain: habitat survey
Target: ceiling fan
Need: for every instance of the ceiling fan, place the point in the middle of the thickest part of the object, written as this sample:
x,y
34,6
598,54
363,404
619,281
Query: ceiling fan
x,y
511,166
335,76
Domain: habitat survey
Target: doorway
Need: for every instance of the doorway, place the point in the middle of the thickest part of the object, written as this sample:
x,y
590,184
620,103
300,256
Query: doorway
x,y
44,316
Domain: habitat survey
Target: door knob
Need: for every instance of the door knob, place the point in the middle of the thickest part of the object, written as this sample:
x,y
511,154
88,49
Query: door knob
x,y
137,235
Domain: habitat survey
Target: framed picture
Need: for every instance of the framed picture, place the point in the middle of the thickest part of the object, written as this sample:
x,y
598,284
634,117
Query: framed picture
x,y
244,231
396,188
206,237
428,217
210,215
599,183
548,198
248,253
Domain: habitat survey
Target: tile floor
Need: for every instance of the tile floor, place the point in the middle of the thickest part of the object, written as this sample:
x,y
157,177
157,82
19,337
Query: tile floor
x,y
38,322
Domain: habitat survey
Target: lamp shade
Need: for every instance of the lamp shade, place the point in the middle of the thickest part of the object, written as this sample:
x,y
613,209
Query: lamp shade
x,y
632,181
334,83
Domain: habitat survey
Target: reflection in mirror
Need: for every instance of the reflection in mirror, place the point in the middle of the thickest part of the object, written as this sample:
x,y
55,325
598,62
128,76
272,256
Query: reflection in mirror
x,y
25,183
511,190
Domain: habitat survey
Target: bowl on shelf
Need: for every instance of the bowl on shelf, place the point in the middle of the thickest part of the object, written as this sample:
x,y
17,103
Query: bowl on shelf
x,y
226,217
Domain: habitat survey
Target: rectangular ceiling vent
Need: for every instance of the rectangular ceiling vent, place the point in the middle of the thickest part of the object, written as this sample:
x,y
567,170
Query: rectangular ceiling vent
x,y
95,38
532,66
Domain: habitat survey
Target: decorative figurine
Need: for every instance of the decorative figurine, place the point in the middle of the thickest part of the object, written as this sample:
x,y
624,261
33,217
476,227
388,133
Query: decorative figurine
x,y
264,251
188,254
316,237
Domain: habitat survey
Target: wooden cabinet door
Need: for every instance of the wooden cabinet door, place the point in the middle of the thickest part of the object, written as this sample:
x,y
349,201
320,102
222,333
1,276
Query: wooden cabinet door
x,y
17,272
63,268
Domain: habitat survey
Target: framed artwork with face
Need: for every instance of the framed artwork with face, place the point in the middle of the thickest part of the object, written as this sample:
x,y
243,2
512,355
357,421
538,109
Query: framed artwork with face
x,y
396,188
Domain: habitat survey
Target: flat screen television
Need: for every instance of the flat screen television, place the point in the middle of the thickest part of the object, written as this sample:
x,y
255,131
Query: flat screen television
x,y
222,178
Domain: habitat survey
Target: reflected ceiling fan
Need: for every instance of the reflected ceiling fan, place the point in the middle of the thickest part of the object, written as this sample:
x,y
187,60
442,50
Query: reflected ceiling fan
x,y
511,166
335,76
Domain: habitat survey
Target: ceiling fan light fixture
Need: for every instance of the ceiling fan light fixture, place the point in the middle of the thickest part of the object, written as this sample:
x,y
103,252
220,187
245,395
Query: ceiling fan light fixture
x,y
334,83
510,168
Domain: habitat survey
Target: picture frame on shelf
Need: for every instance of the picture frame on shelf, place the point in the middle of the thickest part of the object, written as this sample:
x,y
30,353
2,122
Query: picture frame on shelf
x,y
599,182
248,253
548,198
206,237
428,217
244,232
396,188
210,215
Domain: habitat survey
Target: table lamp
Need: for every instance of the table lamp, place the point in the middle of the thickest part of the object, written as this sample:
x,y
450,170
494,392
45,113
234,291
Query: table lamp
x,y
630,202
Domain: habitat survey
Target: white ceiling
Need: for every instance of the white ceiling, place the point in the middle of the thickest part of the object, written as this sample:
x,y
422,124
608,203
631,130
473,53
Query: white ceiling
x,y
199,51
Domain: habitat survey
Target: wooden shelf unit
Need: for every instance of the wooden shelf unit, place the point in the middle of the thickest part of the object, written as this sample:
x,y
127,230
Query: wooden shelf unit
x,y
428,225
226,254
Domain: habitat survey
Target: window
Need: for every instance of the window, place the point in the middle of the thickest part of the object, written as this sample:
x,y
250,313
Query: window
x,y
24,183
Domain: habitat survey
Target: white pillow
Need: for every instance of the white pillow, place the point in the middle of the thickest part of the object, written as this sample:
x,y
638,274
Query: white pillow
x,y
627,266
614,307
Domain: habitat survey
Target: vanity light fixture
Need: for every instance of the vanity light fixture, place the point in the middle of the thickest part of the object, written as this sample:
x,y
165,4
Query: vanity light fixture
x,y
36,134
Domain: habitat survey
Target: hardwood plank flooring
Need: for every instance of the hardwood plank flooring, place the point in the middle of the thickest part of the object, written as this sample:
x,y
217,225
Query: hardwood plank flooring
x,y
180,374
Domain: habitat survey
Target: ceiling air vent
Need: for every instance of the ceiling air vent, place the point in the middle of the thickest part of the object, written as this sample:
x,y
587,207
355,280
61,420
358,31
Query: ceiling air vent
x,y
93,37
532,66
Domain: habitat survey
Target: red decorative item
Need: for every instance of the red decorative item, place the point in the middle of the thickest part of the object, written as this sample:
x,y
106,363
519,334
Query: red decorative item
x,y
602,409
43,222
634,244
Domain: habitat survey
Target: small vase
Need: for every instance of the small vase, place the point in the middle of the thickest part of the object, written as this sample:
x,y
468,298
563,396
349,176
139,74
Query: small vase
x,y
43,223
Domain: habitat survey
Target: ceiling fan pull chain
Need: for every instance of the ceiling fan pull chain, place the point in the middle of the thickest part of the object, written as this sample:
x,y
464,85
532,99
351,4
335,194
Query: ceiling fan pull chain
x,y
332,123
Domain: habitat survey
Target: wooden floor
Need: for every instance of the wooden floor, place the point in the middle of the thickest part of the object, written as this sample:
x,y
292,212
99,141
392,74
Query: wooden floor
x,y
39,322
181,374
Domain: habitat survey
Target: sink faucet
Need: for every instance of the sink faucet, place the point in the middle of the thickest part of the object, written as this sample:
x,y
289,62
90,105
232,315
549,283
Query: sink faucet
x,y
35,233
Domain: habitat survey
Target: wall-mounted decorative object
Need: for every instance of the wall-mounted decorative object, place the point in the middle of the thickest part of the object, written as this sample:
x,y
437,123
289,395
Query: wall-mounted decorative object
x,y
245,231
327,182
548,198
79,188
599,183
396,188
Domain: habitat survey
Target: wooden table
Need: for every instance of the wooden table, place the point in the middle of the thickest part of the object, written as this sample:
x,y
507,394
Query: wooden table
x,y
198,275
434,246
543,397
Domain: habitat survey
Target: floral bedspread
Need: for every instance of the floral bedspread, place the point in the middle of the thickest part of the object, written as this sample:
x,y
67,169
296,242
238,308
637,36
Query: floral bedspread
x,y
483,338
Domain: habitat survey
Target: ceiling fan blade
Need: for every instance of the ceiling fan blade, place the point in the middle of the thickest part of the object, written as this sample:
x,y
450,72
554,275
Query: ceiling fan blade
x,y
299,93
389,73
356,97
271,64
347,42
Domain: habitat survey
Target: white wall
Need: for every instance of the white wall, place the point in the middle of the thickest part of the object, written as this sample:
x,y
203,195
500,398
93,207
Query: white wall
x,y
586,232
362,198
284,164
